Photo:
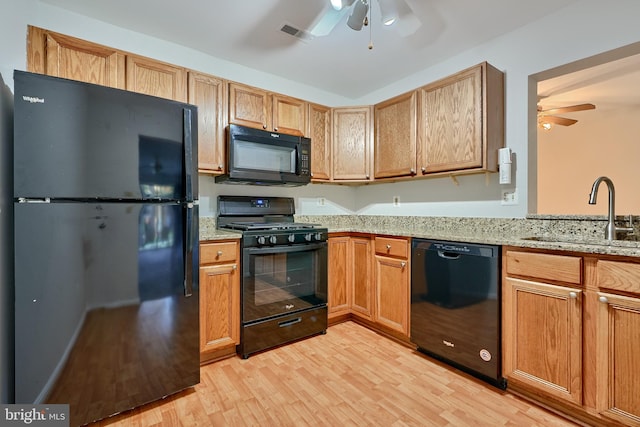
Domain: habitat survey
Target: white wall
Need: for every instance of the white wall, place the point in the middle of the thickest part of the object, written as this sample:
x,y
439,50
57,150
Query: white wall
x,y
585,28
571,158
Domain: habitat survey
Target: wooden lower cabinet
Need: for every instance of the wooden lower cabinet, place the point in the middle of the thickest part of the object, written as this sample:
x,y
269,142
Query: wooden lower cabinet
x,y
370,285
618,341
571,333
392,290
219,299
362,297
339,277
543,337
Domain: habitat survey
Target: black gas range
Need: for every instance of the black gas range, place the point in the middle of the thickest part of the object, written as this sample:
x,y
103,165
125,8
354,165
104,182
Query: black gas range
x,y
284,271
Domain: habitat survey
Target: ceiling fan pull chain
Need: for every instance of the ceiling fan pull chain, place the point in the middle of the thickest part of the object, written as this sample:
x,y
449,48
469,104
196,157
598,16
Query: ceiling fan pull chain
x,y
370,30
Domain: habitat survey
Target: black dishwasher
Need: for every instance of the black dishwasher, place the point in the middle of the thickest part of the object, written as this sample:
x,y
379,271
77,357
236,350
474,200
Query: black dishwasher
x,y
455,305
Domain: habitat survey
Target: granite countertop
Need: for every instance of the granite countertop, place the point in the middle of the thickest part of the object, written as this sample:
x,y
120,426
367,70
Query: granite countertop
x,y
573,234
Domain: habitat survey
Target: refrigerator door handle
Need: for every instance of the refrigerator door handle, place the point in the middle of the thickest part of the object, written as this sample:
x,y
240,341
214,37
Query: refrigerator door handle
x,y
189,254
188,154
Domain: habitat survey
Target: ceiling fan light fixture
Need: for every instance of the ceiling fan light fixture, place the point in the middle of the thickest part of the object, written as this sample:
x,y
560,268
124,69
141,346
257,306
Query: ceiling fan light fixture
x,y
388,11
341,4
356,19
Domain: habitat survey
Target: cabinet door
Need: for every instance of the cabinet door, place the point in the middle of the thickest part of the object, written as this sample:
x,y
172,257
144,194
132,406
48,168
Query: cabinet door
x,y
542,339
395,136
392,293
209,94
451,123
351,146
57,55
249,106
319,130
339,299
618,342
289,115
156,78
219,307
362,296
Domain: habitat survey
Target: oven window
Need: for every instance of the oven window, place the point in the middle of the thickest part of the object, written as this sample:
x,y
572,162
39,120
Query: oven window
x,y
279,283
268,157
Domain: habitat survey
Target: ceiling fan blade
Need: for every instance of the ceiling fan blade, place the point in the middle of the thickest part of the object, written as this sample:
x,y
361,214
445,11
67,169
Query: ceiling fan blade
x,y
327,22
562,121
569,109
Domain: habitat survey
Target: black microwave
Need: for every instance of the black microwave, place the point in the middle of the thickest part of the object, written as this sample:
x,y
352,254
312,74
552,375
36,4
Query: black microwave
x,y
260,157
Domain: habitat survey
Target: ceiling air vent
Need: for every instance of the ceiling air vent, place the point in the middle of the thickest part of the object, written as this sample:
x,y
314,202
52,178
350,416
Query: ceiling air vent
x,y
295,32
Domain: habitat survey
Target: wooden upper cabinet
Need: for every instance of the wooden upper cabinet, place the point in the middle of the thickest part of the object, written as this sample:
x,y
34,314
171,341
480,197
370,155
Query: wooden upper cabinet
x,y
461,121
351,147
58,55
209,93
319,130
249,106
289,115
257,108
156,78
395,136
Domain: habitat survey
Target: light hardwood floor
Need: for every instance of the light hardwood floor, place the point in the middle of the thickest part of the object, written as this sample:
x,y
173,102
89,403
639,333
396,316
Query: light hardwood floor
x,y
349,377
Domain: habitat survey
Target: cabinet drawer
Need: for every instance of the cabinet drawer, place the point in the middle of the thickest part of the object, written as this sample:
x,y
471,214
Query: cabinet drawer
x,y
392,247
562,268
622,276
212,253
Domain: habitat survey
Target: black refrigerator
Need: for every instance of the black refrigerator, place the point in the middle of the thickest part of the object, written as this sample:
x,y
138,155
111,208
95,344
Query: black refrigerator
x,y
106,246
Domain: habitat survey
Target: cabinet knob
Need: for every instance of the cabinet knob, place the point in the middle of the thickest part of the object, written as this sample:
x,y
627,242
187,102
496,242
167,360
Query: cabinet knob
x,y
403,264
412,171
219,253
603,300
276,129
573,295
219,167
388,247
367,176
264,126
234,267
423,169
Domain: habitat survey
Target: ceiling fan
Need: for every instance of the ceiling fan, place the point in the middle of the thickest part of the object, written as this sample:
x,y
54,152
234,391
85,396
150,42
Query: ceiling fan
x,y
396,13
548,117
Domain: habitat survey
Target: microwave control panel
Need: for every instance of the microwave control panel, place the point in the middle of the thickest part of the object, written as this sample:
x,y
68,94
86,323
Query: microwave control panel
x,y
304,162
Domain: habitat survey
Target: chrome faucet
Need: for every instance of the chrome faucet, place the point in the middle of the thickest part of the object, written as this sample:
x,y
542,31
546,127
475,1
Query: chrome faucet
x,y
611,231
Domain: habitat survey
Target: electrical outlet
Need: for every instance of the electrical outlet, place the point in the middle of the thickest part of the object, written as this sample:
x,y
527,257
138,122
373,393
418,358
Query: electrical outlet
x,y
321,201
396,200
509,197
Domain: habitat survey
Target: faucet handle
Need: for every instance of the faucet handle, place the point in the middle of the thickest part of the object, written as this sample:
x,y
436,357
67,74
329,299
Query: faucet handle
x,y
631,229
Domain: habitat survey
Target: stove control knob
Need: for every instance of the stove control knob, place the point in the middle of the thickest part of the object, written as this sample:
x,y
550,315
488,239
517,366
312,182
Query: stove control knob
x,y
291,238
273,240
308,237
261,240
318,236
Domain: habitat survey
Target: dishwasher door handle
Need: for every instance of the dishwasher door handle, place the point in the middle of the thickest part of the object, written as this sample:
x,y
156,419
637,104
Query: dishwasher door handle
x,y
448,255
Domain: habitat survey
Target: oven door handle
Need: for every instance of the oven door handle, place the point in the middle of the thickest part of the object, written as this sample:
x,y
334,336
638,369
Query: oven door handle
x,y
286,249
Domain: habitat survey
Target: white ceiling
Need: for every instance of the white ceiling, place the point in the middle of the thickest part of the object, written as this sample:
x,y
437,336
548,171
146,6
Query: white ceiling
x,y
609,86
248,32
